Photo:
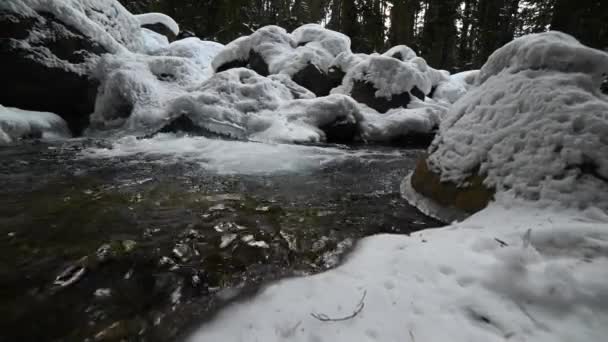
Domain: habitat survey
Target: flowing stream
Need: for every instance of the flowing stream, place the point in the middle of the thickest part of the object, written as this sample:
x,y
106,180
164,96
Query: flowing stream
x,y
144,239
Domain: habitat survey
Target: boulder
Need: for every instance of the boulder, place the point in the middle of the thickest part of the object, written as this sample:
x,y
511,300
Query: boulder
x,y
468,198
317,81
47,73
365,92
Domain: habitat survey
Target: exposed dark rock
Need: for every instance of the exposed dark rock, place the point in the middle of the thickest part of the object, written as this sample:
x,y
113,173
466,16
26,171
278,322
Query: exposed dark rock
x,y
34,82
364,92
232,65
604,86
185,34
470,198
258,64
183,124
417,92
432,93
341,131
315,80
414,140
336,75
161,29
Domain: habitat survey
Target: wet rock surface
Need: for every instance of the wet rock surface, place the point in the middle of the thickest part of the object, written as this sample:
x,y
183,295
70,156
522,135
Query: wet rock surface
x,y
133,249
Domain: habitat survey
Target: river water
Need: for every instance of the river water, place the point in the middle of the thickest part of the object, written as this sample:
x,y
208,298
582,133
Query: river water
x,y
145,239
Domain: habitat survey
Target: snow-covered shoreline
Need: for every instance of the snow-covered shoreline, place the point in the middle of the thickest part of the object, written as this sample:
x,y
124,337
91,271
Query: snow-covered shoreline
x,y
513,271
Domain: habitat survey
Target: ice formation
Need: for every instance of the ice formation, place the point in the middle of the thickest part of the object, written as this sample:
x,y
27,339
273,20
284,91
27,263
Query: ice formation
x,y
16,124
537,125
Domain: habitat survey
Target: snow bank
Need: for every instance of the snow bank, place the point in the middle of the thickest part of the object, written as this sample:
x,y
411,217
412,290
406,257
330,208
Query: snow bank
x,y
16,124
106,22
540,132
158,18
286,53
488,278
455,86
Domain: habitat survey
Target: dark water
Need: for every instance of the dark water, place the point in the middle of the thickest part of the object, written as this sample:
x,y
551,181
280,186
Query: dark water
x,y
142,248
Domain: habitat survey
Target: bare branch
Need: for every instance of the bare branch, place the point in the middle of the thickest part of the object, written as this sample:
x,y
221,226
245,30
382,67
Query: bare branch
x,y
325,318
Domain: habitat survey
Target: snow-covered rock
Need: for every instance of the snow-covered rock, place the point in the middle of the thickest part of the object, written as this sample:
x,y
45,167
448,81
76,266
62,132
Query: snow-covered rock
x,y
455,86
401,52
159,23
536,126
49,49
305,55
145,94
16,124
105,22
383,82
198,51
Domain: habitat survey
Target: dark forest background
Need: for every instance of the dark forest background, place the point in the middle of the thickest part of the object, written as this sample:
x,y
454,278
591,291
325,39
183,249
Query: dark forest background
x,y
449,34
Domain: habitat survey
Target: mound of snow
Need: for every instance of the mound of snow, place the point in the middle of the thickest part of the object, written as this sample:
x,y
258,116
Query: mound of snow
x,y
286,53
551,51
153,42
391,76
401,52
137,90
419,118
541,133
455,86
158,18
16,124
513,273
106,22
198,51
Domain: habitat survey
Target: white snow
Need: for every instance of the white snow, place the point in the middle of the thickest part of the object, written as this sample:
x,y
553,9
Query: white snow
x,y
106,22
484,279
16,123
399,122
198,51
456,86
153,42
158,18
553,51
284,52
401,52
541,133
391,76
229,157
